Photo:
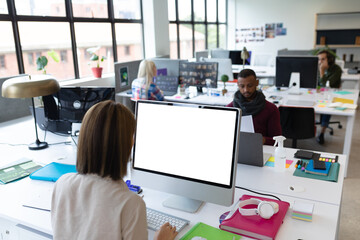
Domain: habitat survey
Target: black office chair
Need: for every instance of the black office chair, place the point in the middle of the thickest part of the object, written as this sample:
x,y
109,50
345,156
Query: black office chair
x,y
297,123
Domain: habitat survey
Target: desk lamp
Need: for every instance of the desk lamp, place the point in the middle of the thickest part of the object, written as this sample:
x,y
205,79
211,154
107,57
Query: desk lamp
x,y
244,55
29,87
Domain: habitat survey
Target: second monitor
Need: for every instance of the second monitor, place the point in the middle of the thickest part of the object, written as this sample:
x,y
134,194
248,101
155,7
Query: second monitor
x,y
196,73
290,66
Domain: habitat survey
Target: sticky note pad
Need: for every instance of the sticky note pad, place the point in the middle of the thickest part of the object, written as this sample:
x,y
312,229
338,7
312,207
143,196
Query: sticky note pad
x,y
271,162
288,163
303,211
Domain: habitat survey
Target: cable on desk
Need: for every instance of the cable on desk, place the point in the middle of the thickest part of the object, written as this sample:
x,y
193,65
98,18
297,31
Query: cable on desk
x,y
264,194
66,143
72,137
14,144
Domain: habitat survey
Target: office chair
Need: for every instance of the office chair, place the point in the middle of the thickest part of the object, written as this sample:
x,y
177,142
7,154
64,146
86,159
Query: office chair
x,y
297,123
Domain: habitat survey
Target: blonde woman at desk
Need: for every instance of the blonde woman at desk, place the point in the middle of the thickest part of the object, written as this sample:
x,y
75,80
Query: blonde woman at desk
x,y
95,203
266,116
143,86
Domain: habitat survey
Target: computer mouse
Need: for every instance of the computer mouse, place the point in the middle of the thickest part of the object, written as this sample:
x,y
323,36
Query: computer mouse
x,y
198,238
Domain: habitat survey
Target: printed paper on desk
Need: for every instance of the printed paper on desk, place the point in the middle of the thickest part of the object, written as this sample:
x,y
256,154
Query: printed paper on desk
x,y
247,124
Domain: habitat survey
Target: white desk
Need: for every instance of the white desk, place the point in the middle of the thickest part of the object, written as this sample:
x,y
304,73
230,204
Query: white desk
x,y
267,179
328,96
28,223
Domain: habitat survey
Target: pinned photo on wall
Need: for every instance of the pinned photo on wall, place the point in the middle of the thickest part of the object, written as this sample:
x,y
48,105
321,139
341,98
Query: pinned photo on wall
x,y
270,30
280,30
249,35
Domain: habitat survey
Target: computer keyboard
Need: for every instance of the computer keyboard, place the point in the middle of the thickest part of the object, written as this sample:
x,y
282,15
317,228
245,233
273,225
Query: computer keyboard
x,y
156,219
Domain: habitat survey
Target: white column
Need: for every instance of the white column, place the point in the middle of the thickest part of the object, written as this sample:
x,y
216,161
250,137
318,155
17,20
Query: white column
x,y
231,21
156,28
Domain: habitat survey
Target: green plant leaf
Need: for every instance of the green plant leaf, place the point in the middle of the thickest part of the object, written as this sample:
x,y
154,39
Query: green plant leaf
x,y
54,55
94,57
41,62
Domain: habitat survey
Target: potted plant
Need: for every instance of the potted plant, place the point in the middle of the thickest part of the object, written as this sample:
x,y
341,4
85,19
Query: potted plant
x,y
97,71
42,61
224,79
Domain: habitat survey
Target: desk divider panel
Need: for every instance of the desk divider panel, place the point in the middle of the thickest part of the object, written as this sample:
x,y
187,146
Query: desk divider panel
x,y
125,73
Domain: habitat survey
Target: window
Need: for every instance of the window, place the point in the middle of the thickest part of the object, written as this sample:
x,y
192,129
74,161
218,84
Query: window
x,y
44,38
7,51
196,25
127,9
47,28
3,7
40,8
129,41
90,8
100,40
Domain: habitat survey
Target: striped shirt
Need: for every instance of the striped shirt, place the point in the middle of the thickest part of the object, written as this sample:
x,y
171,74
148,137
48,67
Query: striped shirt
x,y
139,91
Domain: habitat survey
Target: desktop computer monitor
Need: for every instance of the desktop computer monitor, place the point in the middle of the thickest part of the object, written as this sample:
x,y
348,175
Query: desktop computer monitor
x,y
196,73
306,66
236,58
224,67
186,150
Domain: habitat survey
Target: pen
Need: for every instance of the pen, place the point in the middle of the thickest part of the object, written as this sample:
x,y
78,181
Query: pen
x,y
299,166
297,163
303,166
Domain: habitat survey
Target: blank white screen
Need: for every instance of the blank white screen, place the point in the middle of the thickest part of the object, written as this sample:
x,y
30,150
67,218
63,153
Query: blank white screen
x,y
185,141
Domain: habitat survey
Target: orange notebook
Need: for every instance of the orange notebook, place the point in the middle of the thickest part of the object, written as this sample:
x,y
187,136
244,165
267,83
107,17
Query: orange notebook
x,y
256,226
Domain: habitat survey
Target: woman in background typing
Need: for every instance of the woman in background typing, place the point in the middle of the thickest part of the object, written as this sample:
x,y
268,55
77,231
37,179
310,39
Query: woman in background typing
x,y
143,86
95,203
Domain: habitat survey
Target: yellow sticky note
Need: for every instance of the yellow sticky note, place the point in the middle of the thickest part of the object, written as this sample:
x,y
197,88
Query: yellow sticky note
x,y
343,100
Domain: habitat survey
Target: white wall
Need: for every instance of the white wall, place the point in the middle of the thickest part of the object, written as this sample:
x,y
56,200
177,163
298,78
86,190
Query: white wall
x,y
298,16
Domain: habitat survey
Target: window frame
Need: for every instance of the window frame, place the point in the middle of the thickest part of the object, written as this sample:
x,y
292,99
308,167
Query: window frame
x,y
71,20
192,22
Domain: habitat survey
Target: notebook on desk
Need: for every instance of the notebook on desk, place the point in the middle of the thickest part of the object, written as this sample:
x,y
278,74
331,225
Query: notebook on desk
x,y
251,149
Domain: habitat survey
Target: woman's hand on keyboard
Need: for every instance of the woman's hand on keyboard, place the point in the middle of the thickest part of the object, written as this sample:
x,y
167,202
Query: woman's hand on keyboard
x,y
166,232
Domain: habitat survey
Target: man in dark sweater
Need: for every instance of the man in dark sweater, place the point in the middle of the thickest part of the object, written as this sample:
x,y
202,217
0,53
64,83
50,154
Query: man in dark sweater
x,y
266,116
328,71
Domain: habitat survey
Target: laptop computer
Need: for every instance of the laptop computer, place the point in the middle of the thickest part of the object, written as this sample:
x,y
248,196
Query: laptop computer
x,y
251,149
167,84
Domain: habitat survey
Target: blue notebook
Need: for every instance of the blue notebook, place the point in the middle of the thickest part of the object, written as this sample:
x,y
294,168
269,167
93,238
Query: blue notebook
x,y
52,172
310,168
